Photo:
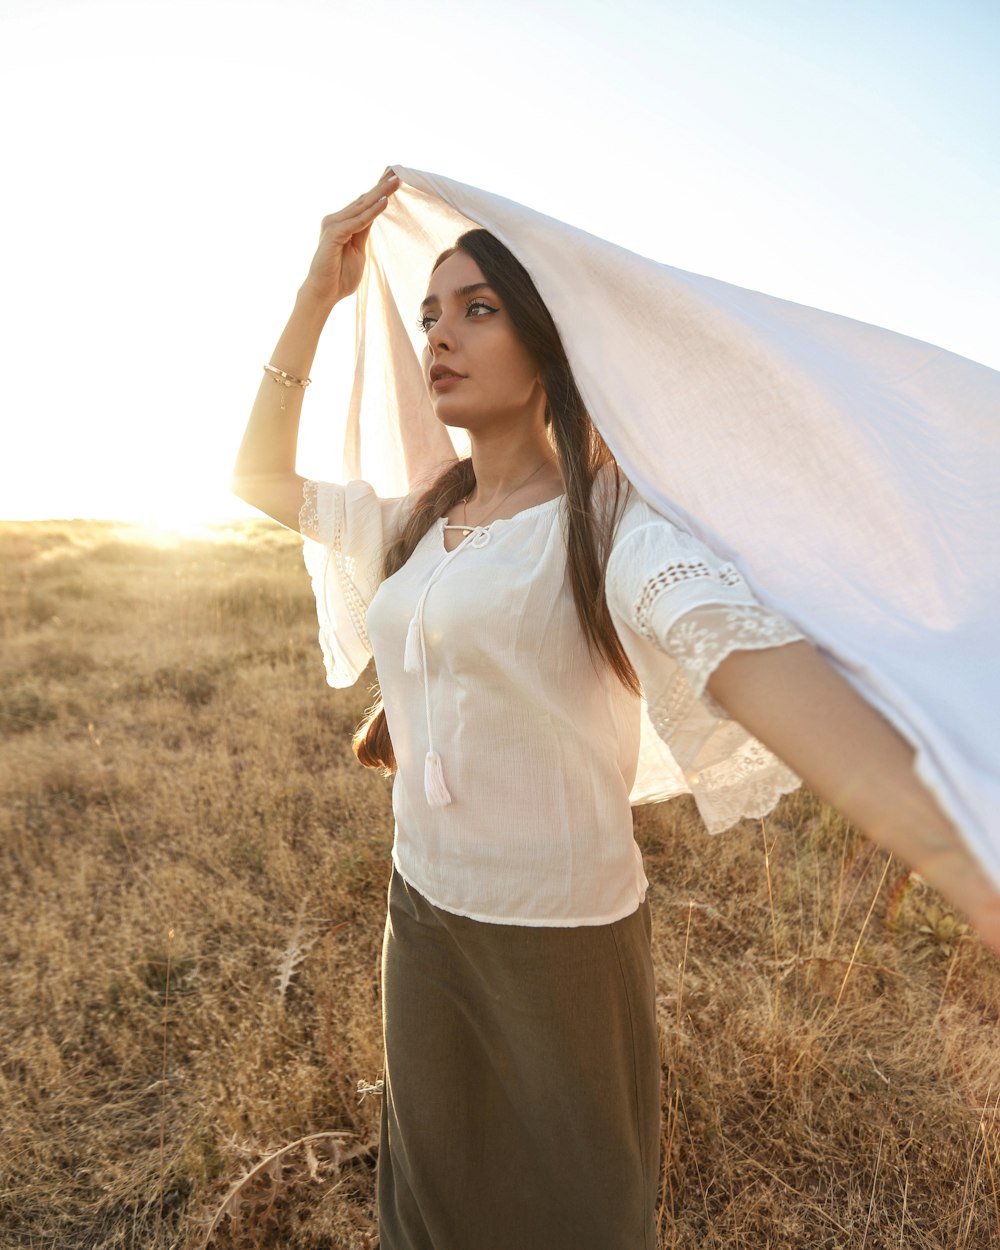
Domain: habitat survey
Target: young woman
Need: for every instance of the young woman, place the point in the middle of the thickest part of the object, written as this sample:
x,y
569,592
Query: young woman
x,y
512,608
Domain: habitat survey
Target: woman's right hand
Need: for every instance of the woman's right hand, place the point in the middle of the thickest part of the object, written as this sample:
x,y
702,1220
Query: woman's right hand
x,y
340,257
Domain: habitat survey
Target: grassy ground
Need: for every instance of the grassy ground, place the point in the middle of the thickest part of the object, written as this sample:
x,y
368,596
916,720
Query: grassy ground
x,y
194,870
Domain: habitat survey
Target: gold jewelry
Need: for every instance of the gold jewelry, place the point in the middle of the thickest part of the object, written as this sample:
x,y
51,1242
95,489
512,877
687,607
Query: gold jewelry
x,y
467,529
285,380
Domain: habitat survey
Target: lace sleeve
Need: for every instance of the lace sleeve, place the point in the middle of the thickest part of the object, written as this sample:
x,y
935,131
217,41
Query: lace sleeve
x,y
680,611
686,602
309,512
702,638
345,530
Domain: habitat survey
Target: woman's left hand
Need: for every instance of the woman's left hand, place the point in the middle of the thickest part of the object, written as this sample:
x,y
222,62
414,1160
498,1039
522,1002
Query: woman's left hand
x,y
948,866
795,702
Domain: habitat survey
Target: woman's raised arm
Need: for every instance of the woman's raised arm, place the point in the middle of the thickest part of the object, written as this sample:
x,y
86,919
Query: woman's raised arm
x,y
803,710
264,473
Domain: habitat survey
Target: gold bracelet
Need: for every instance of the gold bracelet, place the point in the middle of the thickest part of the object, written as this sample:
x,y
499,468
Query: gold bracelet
x,y
286,379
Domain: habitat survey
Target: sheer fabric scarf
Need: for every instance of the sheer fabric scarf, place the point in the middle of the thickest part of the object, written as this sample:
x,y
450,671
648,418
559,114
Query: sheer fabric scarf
x,y
850,473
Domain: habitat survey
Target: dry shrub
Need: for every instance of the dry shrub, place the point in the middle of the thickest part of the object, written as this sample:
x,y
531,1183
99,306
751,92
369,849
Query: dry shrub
x,y
48,659
24,708
194,874
273,600
273,1190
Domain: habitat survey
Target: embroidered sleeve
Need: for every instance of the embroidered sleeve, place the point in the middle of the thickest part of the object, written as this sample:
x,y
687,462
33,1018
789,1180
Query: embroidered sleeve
x,y
309,512
693,569
345,530
680,611
689,604
703,637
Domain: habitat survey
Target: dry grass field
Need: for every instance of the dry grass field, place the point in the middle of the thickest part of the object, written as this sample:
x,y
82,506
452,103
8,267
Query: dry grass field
x,y
193,877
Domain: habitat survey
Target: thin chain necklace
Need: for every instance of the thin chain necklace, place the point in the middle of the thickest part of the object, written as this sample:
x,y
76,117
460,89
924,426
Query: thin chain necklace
x,y
467,529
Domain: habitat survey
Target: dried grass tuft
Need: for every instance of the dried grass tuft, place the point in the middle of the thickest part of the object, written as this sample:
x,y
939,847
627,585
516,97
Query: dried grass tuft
x,y
252,1214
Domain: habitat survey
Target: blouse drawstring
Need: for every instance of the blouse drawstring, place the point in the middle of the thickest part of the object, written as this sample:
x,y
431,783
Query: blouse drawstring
x,y
415,661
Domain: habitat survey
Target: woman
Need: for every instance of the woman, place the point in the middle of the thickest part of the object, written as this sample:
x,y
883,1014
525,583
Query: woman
x,y
512,608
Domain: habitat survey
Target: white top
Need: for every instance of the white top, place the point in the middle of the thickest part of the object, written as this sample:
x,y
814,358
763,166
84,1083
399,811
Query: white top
x,y
483,666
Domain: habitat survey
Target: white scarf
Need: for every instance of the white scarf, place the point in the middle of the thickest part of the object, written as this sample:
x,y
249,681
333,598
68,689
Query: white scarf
x,y
852,474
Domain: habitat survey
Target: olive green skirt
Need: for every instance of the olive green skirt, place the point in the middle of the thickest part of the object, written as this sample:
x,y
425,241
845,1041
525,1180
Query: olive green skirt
x,y
522,1083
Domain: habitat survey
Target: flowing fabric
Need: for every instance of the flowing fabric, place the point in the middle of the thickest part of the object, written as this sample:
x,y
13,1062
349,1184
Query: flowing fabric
x,y
851,474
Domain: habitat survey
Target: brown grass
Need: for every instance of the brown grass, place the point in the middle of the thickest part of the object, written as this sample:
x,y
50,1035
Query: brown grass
x,y
194,872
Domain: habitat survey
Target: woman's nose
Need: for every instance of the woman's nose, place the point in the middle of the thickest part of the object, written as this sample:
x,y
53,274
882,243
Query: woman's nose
x,y
439,336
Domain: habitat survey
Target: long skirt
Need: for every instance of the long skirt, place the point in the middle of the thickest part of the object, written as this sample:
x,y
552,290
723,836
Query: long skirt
x,y
522,1083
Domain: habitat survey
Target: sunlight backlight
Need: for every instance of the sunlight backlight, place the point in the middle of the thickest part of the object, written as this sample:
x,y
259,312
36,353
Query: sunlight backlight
x,y
173,164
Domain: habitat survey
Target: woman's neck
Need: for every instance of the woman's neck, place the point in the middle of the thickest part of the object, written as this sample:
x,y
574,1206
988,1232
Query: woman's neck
x,y
502,465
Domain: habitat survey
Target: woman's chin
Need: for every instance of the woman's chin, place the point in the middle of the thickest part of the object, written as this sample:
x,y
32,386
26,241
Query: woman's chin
x,y
453,423
453,417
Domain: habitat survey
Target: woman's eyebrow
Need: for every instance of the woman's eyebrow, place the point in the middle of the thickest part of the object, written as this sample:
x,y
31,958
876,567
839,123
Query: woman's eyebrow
x,y
458,293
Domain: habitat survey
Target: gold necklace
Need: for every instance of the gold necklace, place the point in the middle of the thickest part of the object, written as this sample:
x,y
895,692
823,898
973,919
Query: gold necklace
x,y
467,529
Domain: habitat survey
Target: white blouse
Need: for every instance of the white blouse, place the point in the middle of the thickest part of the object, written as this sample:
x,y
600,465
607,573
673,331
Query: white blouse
x,y
517,755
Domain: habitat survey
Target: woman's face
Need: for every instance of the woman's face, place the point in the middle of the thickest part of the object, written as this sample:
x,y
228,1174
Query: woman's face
x,y
478,372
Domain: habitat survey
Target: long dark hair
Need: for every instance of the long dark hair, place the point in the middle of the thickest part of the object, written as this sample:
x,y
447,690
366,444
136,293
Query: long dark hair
x,y
582,455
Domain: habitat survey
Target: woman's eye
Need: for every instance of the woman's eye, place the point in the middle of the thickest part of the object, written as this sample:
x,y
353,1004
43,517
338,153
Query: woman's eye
x,y
476,308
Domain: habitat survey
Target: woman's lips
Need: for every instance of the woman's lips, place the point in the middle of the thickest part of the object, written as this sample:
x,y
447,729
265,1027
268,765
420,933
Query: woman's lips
x,y
445,380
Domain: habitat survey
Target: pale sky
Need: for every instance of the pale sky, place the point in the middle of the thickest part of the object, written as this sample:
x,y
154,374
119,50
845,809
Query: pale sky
x,y
168,165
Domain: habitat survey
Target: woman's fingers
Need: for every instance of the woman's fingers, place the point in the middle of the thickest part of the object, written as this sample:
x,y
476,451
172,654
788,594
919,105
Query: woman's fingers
x,y
378,191
367,205
953,871
367,214
337,266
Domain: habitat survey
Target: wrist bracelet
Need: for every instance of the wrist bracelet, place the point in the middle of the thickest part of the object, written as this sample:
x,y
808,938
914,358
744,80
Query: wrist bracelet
x,y
284,380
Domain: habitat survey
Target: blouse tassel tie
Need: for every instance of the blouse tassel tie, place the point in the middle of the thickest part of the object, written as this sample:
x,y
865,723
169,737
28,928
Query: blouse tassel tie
x,y
415,661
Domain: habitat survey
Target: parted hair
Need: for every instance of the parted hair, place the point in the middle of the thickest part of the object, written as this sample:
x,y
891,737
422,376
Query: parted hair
x,y
591,516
